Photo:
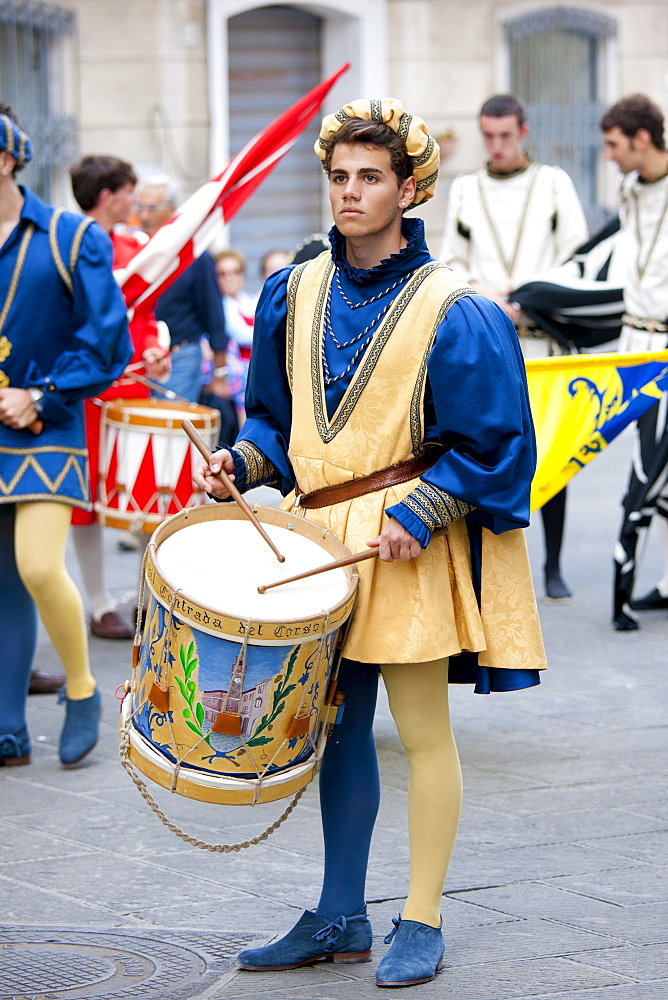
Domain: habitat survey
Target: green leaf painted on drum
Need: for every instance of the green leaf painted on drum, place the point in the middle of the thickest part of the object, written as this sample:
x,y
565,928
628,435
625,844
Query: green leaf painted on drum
x,y
193,715
281,692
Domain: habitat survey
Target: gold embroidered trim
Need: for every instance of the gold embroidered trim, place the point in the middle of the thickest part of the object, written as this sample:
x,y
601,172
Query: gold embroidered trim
x,y
376,110
419,161
293,285
404,128
55,249
259,470
435,507
5,348
75,249
52,484
327,430
44,497
9,133
427,182
16,274
59,449
417,430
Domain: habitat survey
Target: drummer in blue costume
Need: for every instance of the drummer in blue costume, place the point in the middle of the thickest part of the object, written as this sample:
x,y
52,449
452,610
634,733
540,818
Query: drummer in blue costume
x,y
63,336
387,400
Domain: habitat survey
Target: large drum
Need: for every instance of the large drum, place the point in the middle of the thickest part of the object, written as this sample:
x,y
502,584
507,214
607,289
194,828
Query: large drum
x,y
147,462
233,692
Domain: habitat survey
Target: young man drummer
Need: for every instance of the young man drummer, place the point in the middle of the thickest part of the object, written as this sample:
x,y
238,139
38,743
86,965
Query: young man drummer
x,y
376,373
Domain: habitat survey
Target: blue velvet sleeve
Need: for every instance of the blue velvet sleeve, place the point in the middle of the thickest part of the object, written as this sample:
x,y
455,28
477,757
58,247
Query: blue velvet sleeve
x,y
480,408
268,395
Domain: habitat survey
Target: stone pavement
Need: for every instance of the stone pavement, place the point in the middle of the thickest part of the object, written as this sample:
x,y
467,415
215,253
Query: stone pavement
x,y
558,886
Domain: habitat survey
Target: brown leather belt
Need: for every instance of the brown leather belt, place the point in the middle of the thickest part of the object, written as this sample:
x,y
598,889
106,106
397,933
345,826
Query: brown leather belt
x,y
402,472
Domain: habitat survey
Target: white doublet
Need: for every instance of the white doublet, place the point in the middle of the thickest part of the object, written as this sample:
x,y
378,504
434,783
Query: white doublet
x,y
536,223
641,259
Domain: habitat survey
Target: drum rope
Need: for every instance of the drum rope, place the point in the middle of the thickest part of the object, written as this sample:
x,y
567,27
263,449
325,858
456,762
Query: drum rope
x,y
181,834
140,595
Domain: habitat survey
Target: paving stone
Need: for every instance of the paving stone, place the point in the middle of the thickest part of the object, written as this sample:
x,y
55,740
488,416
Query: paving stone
x,y
269,872
104,828
545,901
19,843
120,887
648,847
525,864
644,963
21,903
645,924
228,912
653,991
628,886
628,793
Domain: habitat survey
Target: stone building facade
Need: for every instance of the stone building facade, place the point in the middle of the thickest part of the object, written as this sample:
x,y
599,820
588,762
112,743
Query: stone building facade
x,y
176,85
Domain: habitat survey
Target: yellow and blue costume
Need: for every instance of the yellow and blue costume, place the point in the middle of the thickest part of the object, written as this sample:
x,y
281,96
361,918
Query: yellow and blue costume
x,y
354,371
64,332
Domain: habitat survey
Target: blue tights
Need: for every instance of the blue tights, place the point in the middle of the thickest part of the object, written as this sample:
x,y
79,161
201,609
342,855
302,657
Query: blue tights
x,y
349,793
17,609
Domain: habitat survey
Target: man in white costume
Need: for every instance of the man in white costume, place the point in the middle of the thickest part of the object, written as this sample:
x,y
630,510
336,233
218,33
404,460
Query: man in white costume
x,y
506,222
633,134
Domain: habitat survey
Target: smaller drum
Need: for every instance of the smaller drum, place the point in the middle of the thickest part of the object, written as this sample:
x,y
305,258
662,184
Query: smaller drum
x,y
233,693
147,461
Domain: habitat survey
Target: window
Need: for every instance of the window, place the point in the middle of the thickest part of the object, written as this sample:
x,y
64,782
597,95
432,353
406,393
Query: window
x,y
32,80
556,64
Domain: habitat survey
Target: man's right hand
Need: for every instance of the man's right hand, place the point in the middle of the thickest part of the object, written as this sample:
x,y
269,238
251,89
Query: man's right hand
x,y
205,476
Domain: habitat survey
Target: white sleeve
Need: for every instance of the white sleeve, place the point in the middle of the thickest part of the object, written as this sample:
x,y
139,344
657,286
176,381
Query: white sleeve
x,y
455,248
571,228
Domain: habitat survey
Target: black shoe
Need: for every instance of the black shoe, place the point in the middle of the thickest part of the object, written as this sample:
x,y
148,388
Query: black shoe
x,y
650,602
624,623
556,591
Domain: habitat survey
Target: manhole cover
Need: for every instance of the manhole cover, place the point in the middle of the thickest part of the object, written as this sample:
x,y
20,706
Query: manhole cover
x,y
110,965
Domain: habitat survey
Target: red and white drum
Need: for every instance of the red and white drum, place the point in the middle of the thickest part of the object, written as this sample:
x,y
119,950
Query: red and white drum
x,y
147,461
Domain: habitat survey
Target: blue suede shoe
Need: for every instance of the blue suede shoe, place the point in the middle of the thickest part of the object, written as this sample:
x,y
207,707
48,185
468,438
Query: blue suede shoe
x,y
415,957
314,939
80,731
15,748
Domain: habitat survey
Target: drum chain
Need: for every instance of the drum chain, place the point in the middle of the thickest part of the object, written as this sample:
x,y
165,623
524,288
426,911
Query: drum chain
x,y
181,834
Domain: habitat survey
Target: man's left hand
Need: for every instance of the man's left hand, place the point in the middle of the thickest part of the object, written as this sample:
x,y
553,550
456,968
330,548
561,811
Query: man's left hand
x,y
394,542
16,409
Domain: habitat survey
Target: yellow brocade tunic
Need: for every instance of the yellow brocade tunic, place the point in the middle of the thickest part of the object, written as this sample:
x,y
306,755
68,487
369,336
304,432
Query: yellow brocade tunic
x,y
424,609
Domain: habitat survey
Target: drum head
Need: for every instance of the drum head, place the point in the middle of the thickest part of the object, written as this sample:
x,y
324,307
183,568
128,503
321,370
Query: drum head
x,y
207,563
221,563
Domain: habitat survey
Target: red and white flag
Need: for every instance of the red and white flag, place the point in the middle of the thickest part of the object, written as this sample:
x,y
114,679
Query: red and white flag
x,y
196,223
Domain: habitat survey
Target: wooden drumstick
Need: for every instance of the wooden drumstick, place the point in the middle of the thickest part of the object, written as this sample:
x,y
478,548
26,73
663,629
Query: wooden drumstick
x,y
207,454
347,561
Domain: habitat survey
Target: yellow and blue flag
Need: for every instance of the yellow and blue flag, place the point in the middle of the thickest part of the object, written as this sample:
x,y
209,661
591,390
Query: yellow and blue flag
x,y
580,403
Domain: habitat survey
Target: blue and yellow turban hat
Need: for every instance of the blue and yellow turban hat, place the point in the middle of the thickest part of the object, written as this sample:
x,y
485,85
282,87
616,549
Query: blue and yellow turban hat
x,y
420,146
15,141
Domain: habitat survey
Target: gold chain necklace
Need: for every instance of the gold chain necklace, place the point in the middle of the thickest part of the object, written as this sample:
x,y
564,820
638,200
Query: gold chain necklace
x,y
509,262
16,274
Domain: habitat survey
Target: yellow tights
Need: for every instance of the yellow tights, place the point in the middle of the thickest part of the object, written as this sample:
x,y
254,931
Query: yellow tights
x,y
418,697
40,533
